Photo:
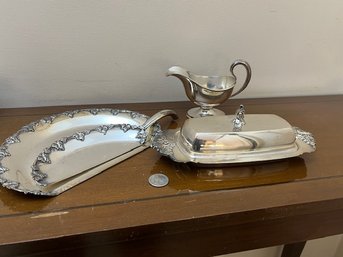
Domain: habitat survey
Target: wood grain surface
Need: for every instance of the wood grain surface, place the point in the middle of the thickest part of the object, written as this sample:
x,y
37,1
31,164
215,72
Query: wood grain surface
x,y
118,213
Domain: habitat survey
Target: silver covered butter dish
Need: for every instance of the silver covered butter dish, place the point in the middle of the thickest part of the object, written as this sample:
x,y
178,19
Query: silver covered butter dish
x,y
236,138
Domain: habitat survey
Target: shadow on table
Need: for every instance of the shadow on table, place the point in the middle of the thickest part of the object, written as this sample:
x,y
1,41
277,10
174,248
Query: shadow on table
x,y
16,201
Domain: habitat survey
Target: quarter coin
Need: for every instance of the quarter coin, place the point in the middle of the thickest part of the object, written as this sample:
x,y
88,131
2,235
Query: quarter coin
x,y
158,180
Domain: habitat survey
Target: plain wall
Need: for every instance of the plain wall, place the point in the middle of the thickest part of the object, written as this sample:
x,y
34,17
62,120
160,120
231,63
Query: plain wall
x,y
89,51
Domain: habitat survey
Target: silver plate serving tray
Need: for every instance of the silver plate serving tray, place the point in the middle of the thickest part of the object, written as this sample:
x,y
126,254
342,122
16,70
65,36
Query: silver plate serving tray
x,y
51,155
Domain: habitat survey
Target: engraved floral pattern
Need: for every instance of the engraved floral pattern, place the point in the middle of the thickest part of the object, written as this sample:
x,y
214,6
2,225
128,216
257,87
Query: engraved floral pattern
x,y
56,146
44,157
305,136
3,169
162,145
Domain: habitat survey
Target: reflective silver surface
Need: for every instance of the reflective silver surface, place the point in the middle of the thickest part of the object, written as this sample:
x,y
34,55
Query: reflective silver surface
x,y
238,122
209,91
216,140
53,154
49,156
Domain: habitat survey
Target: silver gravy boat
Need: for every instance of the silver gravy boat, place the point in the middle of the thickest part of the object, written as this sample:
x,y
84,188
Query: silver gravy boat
x,y
209,91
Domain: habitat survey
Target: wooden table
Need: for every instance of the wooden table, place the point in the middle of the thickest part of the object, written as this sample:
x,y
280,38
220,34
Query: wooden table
x,y
202,212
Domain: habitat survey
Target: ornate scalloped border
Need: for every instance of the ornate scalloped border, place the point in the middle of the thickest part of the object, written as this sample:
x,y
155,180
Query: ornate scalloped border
x,y
31,127
162,145
59,145
305,136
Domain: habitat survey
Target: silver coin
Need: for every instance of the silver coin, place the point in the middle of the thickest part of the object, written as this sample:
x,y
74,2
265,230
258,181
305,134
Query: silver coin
x,y
158,180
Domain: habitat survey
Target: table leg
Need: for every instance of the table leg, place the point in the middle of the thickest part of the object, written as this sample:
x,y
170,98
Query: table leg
x,y
293,250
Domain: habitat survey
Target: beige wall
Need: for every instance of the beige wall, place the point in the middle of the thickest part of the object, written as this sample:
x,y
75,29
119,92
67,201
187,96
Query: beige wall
x,y
89,51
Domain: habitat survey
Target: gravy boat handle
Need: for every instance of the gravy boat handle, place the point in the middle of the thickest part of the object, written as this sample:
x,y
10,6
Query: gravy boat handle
x,y
248,77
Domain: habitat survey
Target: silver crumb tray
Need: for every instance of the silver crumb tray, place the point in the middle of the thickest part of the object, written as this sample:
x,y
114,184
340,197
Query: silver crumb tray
x,y
233,139
51,155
